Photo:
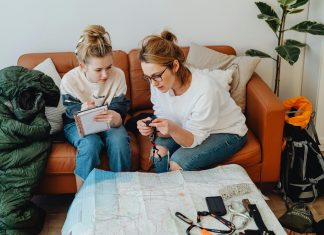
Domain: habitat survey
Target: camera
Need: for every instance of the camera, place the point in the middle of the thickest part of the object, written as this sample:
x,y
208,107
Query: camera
x,y
148,122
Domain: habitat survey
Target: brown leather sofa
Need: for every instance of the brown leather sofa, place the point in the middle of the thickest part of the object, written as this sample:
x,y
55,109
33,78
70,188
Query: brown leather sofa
x,y
264,112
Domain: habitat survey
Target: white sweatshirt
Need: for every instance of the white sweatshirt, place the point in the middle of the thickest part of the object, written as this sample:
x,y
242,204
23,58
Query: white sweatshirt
x,y
77,85
205,108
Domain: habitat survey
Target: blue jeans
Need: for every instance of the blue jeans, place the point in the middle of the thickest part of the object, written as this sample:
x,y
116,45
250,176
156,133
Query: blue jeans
x,y
215,149
116,141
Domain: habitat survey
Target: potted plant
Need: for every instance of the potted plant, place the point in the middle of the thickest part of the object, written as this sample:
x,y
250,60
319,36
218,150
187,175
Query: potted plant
x,y
288,49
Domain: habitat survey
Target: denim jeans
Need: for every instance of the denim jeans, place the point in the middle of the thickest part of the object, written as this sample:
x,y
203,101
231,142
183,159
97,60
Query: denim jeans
x,y
116,142
215,149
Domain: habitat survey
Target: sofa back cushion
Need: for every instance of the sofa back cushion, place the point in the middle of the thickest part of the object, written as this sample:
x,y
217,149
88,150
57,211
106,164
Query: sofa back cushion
x,y
140,89
65,61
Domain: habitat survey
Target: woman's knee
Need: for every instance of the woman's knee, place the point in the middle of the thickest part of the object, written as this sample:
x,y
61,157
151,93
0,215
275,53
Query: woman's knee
x,y
184,160
162,151
175,166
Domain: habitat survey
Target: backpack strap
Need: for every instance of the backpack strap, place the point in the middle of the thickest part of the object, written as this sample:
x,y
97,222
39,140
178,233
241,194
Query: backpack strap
x,y
290,158
313,194
301,144
312,125
319,156
321,162
315,180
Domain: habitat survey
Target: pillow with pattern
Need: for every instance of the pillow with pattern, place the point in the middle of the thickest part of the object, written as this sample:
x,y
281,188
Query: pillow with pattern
x,y
204,58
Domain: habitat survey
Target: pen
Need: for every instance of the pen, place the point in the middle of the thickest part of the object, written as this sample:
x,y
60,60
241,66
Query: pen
x,y
72,101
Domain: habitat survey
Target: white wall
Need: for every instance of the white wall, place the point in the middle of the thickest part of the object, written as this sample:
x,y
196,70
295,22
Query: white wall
x,y
45,26
313,79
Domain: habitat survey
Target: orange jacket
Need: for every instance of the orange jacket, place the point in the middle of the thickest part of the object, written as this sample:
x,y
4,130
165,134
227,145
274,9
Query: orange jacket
x,y
303,111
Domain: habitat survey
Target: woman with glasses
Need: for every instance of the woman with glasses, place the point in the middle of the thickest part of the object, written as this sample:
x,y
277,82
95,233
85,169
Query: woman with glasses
x,y
93,83
198,123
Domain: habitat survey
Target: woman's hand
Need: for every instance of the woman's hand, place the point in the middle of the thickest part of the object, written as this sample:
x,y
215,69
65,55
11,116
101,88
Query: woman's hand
x,y
164,126
88,105
143,128
109,116
171,129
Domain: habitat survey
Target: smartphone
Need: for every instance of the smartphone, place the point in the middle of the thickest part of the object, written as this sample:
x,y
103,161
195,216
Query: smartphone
x,y
216,205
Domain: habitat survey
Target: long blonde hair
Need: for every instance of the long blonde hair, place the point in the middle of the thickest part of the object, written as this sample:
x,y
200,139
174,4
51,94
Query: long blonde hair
x,y
94,42
163,50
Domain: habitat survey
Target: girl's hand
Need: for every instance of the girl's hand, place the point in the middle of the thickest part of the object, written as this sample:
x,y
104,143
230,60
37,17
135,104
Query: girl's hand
x,y
88,105
164,126
143,128
109,116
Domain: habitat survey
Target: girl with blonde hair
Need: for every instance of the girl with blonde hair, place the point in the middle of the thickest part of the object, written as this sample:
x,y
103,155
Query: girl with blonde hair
x,y
93,83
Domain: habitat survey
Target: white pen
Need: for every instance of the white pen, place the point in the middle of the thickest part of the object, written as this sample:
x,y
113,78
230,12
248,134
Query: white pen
x,y
72,101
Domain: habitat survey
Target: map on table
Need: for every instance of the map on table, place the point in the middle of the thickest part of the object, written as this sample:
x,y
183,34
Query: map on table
x,y
145,203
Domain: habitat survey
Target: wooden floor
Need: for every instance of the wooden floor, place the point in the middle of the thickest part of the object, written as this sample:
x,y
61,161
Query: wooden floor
x,y
278,207
56,208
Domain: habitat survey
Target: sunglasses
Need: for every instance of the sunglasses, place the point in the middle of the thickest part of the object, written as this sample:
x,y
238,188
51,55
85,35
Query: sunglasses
x,y
154,77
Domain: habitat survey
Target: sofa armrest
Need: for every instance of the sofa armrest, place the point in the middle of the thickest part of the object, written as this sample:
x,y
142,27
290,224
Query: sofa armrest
x,y
265,117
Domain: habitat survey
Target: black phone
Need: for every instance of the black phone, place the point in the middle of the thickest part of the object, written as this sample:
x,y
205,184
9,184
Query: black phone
x,y
216,205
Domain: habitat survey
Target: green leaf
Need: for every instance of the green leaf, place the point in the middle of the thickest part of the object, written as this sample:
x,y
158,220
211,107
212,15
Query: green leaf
x,y
295,11
290,42
298,3
309,27
287,2
289,53
267,10
253,52
268,18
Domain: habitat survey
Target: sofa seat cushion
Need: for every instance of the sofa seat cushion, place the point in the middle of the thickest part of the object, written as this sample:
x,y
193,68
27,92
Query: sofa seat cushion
x,y
249,155
61,160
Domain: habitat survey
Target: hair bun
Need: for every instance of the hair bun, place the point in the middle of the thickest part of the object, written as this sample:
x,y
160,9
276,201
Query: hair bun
x,y
167,35
94,34
94,42
95,31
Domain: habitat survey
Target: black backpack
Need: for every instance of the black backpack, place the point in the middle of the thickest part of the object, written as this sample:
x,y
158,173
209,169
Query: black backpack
x,y
302,165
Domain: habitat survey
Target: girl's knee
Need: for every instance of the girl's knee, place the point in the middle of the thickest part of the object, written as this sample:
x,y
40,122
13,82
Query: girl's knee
x,y
90,144
117,136
118,131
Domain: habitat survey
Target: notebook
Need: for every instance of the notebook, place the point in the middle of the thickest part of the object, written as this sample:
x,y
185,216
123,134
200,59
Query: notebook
x,y
86,124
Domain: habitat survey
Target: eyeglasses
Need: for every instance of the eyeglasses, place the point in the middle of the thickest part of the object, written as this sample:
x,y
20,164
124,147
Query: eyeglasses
x,y
155,78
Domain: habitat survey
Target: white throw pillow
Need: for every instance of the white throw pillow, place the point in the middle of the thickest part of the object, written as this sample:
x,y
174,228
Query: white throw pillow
x,y
223,77
53,114
204,58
